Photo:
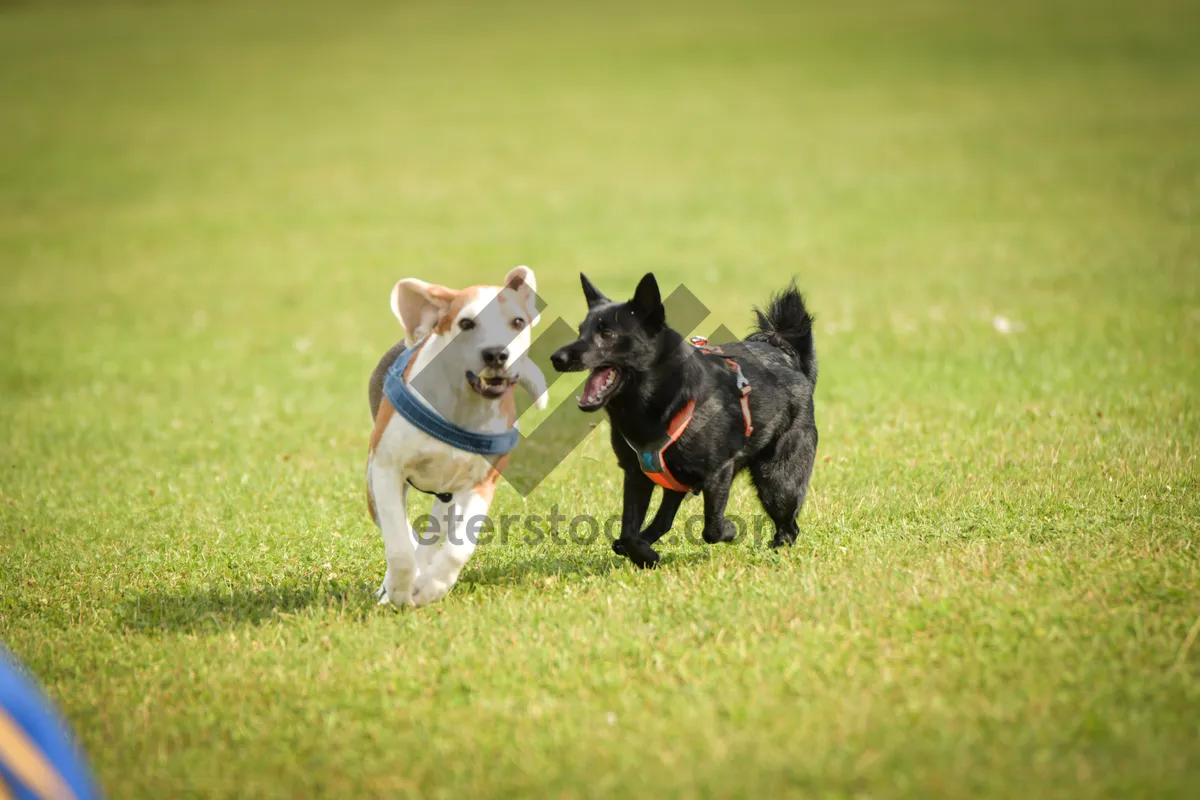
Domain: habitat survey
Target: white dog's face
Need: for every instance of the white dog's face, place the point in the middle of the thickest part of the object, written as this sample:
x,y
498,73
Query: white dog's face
x,y
484,331
490,334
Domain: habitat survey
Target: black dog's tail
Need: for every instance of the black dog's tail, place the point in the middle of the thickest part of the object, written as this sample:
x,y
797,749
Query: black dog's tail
x,y
788,326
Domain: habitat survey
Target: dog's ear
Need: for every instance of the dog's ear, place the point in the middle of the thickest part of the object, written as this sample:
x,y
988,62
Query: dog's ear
x,y
520,276
647,302
593,295
419,305
522,281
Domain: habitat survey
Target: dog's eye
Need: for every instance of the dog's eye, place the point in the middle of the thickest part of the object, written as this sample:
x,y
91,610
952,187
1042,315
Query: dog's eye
x,y
518,322
465,324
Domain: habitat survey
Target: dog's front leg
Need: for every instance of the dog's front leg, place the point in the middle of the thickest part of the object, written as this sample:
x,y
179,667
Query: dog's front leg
x,y
534,382
429,542
665,517
638,489
716,497
463,518
390,493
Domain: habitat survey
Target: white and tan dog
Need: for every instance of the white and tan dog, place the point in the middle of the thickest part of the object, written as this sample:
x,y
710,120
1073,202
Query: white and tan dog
x,y
471,351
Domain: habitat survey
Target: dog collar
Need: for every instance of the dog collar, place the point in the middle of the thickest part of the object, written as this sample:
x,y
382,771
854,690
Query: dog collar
x,y
424,418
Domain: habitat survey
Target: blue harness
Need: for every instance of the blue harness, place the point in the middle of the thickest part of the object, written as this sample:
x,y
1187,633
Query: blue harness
x,y
409,406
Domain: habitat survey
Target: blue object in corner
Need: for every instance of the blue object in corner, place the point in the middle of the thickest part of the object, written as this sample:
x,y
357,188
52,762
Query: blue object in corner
x,y
39,759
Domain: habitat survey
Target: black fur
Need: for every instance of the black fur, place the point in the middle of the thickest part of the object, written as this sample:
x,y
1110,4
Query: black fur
x,y
657,372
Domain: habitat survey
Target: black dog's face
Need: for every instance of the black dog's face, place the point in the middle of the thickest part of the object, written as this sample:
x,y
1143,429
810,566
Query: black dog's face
x,y
616,340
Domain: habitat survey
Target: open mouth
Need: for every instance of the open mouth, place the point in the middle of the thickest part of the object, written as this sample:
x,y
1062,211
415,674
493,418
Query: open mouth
x,y
601,383
490,386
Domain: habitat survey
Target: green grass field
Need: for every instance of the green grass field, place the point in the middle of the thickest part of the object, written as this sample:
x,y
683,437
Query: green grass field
x,y
994,210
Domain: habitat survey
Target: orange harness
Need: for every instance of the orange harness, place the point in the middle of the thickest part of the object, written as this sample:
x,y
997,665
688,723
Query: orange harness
x,y
653,461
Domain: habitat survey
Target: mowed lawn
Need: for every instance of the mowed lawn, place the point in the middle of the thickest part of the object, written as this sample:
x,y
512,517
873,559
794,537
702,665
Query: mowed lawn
x,y
994,210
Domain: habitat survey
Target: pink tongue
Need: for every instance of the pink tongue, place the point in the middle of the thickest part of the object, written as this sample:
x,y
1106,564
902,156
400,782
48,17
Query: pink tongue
x,y
595,383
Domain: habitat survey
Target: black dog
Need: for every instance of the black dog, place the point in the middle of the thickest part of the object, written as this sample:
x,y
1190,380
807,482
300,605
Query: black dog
x,y
690,417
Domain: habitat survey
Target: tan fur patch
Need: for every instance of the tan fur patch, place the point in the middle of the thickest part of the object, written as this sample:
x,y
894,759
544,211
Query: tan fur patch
x,y
461,298
415,303
442,293
515,303
486,488
408,367
386,412
371,501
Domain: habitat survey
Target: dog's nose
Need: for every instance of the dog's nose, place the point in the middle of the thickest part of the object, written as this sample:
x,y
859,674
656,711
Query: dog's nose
x,y
495,356
559,360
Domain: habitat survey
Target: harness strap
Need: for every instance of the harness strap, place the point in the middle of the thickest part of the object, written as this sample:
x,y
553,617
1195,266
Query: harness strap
x,y
445,497
743,385
653,461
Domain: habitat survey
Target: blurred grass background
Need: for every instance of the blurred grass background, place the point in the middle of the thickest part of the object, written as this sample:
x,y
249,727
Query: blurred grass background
x,y
993,212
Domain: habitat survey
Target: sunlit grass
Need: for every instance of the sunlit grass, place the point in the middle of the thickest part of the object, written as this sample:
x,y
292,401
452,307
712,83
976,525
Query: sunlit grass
x,y
992,211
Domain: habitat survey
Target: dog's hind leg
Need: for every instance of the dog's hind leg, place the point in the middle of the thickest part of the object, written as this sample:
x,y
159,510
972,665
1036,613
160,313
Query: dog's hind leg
x,y
781,478
389,494
716,496
783,507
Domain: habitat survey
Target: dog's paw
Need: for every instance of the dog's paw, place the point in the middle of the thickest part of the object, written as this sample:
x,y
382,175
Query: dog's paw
x,y
724,531
637,551
618,548
393,591
428,589
398,599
